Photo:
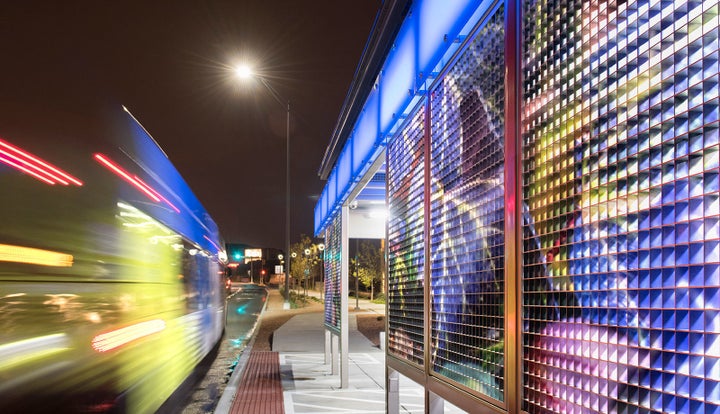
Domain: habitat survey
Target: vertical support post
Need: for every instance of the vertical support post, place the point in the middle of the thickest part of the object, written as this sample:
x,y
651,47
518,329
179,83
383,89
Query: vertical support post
x,y
328,346
392,396
344,288
335,357
513,207
427,308
434,403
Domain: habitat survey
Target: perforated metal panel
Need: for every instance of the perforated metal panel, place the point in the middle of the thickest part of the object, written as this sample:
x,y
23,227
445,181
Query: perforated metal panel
x,y
620,185
406,240
466,216
333,274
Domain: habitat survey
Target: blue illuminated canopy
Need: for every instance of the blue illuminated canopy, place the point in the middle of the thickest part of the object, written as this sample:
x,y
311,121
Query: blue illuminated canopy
x,y
425,41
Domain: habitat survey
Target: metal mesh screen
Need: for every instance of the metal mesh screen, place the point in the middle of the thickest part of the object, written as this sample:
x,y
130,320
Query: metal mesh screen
x,y
466,216
333,274
620,185
406,240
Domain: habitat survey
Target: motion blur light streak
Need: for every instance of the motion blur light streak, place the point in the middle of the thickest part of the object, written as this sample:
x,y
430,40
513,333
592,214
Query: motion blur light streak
x,y
122,342
213,243
20,254
25,170
19,352
117,338
135,181
152,190
122,173
37,164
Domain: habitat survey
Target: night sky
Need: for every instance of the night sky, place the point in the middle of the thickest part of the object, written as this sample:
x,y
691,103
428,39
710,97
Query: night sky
x,y
169,63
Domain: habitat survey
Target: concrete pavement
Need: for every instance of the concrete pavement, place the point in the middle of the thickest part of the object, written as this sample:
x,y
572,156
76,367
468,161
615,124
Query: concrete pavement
x,y
308,383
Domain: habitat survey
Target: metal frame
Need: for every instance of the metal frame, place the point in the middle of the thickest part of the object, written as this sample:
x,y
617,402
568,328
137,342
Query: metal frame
x,y
513,214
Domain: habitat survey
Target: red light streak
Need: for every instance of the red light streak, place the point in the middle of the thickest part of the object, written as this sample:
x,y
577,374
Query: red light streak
x,y
25,170
26,162
152,190
122,173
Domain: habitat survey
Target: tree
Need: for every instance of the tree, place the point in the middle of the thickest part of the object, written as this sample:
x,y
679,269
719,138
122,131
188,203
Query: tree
x,y
305,267
369,265
300,262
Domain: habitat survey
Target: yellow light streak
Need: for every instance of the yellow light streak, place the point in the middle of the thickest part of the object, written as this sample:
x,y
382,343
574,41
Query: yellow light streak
x,y
119,337
20,254
17,353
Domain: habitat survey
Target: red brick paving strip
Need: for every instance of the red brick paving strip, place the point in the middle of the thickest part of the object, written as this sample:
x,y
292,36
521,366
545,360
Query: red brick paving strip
x,y
260,389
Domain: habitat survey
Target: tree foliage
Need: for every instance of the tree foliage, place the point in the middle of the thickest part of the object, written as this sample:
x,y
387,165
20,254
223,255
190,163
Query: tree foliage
x,y
369,264
302,262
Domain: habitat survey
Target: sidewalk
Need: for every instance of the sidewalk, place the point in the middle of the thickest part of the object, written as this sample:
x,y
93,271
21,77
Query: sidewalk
x,y
307,383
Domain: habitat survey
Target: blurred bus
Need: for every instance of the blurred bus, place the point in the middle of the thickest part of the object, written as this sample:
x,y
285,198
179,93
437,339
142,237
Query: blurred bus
x,y
111,271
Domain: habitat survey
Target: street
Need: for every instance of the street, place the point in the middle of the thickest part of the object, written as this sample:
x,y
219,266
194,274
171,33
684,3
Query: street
x,y
244,306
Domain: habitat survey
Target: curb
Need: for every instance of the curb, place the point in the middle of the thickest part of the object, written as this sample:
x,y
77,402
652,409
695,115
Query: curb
x,y
226,400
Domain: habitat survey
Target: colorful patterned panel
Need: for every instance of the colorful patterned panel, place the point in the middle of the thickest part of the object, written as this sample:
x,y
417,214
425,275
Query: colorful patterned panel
x,y
621,216
333,274
406,240
466,217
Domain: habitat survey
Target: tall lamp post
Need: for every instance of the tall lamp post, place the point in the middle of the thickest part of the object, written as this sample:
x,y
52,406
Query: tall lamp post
x,y
307,272
313,257
321,249
246,72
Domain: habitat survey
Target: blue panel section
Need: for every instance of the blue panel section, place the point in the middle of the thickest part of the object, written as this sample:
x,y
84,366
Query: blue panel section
x,y
317,214
344,169
397,81
425,40
441,23
372,194
321,210
324,204
332,190
366,133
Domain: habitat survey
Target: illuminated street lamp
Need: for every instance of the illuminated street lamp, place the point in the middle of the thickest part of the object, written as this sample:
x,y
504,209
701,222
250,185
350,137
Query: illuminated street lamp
x,y
282,262
305,275
246,72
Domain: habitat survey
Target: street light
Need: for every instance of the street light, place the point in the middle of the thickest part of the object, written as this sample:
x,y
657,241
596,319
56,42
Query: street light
x,y
321,247
293,255
282,262
246,72
307,271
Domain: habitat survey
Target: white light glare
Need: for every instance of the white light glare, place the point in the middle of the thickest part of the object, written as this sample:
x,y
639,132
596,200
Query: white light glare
x,y
243,72
376,214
